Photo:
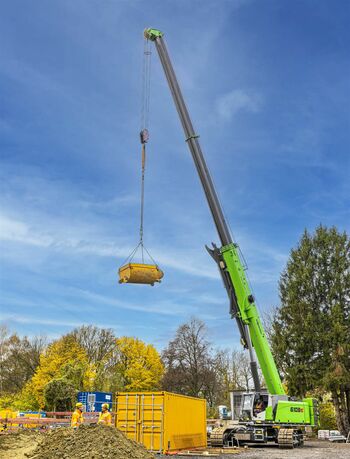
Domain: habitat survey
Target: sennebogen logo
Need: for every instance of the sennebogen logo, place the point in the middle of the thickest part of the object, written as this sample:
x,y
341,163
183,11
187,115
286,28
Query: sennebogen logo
x,y
296,409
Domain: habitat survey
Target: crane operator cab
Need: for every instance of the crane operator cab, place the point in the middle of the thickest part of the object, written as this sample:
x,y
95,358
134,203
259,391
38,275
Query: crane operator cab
x,y
254,406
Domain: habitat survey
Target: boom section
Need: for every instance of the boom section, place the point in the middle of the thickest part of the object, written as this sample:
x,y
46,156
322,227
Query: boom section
x,y
249,315
191,138
243,308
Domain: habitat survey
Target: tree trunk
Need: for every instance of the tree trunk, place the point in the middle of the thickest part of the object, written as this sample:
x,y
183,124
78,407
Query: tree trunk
x,y
341,412
347,395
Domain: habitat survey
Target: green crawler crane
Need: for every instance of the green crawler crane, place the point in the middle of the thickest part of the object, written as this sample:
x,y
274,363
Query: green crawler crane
x,y
261,416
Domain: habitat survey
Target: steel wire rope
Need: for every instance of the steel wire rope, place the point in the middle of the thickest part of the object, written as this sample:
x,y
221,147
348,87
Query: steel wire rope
x,y
144,123
142,198
146,87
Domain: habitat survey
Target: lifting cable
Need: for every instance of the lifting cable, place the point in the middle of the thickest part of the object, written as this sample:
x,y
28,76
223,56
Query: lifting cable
x,y
146,86
142,197
144,137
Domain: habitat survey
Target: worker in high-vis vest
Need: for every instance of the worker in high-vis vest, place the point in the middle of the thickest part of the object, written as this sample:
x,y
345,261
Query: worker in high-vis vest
x,y
105,417
77,416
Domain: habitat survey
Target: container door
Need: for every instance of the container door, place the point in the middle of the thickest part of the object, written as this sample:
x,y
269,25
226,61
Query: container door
x,y
140,418
151,421
127,415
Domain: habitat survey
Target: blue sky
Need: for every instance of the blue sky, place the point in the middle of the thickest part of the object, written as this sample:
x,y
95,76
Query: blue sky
x,y
267,85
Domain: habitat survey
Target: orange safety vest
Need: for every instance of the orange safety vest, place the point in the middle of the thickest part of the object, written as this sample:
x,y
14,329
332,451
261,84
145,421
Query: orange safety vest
x,y
77,418
105,418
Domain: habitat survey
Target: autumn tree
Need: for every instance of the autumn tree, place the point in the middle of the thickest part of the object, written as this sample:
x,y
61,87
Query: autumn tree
x,y
138,365
311,329
63,358
88,358
327,416
100,347
96,342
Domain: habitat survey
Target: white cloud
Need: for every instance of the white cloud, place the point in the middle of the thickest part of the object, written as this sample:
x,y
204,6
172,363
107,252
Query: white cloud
x,y
56,238
33,320
11,229
229,104
161,307
18,231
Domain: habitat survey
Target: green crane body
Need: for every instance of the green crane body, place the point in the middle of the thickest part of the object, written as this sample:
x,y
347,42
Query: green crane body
x,y
243,307
250,316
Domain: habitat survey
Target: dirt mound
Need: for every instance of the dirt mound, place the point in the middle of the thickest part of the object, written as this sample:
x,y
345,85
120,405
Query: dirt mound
x,y
91,442
18,445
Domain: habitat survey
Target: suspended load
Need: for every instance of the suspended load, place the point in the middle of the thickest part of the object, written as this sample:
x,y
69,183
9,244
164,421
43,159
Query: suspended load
x,y
139,273
130,272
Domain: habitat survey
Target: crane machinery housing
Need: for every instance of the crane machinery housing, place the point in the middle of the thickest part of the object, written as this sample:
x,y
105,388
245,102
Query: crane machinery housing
x,y
263,416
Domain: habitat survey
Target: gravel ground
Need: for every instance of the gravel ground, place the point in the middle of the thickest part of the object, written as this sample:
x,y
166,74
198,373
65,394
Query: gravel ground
x,y
23,444
310,450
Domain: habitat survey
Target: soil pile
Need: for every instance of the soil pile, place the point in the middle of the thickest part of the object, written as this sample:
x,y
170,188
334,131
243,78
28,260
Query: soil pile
x,y
18,445
93,442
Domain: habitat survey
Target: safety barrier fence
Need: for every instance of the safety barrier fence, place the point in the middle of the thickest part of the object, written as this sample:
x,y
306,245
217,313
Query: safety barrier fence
x,y
51,420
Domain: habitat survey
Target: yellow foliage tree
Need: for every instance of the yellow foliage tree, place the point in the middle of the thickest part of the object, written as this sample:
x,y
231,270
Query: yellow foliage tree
x,y
61,358
138,364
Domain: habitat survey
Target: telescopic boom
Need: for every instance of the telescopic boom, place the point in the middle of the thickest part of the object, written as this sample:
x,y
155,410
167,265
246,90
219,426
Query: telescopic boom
x,y
242,305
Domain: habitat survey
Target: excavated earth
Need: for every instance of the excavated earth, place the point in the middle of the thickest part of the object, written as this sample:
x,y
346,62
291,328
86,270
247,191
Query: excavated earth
x,y
17,445
93,442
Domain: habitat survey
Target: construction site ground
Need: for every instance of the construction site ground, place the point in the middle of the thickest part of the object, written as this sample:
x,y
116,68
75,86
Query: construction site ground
x,y
310,450
101,442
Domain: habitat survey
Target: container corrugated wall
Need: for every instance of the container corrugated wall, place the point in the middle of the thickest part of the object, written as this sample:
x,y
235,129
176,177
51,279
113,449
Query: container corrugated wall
x,y
162,421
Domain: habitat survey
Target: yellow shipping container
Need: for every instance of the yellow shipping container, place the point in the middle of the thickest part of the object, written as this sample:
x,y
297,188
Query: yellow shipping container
x,y
4,416
162,421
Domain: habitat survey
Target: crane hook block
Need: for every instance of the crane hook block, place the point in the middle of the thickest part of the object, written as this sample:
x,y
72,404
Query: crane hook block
x,y
144,136
138,273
